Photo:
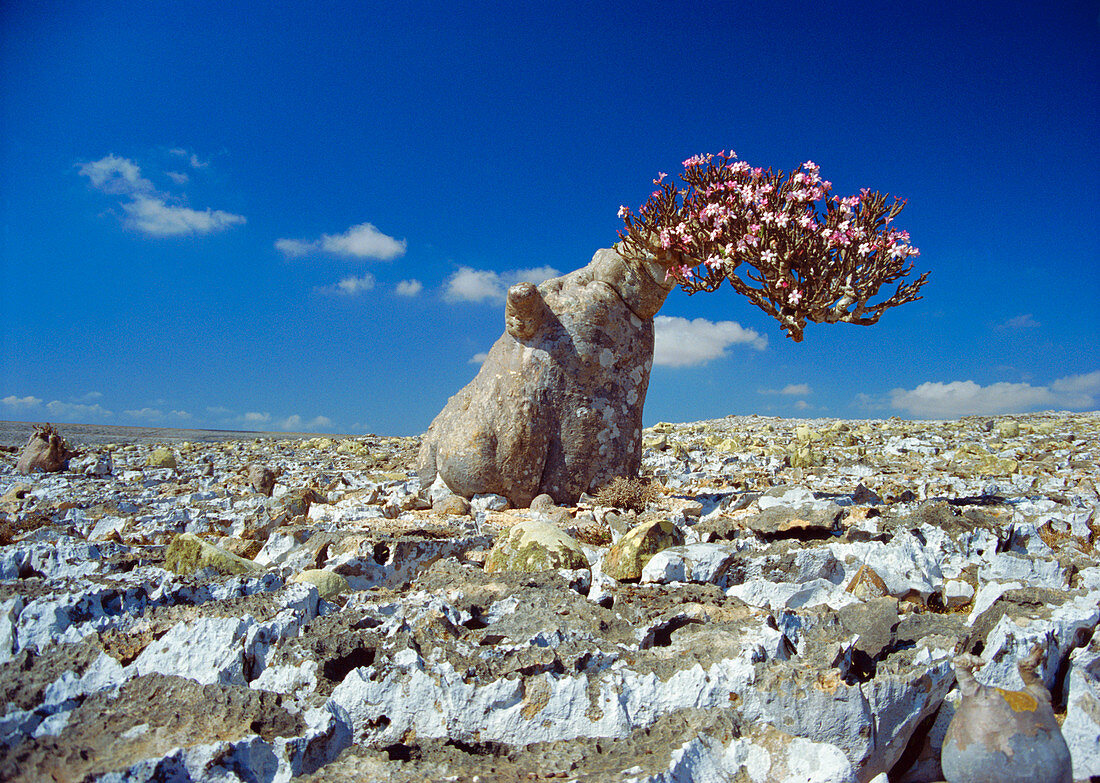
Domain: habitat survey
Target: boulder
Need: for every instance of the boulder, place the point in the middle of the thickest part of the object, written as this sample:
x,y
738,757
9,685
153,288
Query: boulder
x,y
161,458
261,479
533,546
629,555
557,406
328,584
188,553
45,451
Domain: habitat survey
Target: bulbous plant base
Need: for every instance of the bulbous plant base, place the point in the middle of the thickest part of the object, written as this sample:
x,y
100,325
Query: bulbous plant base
x,y
557,405
999,736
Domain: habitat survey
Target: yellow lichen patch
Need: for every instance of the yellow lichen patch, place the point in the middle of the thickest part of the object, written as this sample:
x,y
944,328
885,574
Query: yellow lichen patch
x,y
1019,701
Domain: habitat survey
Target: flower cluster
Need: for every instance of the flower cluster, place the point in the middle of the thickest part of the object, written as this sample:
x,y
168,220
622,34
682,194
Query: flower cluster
x,y
797,252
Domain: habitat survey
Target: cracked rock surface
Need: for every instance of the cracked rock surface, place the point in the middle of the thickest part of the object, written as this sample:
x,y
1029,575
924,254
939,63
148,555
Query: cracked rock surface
x,y
794,599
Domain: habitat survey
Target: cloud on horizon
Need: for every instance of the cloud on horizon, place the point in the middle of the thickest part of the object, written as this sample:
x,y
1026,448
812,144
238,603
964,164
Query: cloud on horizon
x,y
361,241
147,210
937,400
679,342
479,285
791,389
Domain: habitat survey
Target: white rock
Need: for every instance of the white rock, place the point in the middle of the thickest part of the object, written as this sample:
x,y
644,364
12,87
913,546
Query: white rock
x,y
207,650
903,564
1032,571
791,595
1009,642
1082,725
957,593
434,700
707,563
488,502
9,613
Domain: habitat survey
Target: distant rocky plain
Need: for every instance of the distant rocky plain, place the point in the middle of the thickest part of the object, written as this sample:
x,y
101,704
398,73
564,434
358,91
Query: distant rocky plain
x,y
787,609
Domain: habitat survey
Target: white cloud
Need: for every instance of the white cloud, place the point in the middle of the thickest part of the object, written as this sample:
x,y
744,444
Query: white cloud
x,y
409,288
679,342
148,210
116,175
293,248
294,423
936,400
1087,385
361,241
178,177
155,217
191,158
350,286
155,414
75,411
21,403
254,417
478,285
791,389
1025,321
802,405
479,358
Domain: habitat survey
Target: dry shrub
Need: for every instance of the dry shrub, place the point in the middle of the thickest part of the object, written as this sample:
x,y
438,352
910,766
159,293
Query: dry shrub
x,y
629,494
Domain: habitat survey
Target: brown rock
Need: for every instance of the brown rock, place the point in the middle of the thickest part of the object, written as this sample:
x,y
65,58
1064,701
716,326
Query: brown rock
x,y
261,478
867,584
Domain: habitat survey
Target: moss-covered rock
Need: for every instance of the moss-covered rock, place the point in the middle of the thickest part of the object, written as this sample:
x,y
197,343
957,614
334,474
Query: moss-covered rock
x,y
534,545
328,583
188,553
161,458
627,558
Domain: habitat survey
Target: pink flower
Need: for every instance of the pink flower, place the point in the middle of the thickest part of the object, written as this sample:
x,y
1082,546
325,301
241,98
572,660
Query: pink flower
x,y
795,297
623,212
660,178
768,256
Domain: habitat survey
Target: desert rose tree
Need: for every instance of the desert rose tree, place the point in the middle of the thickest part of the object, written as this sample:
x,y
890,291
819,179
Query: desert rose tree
x,y
557,406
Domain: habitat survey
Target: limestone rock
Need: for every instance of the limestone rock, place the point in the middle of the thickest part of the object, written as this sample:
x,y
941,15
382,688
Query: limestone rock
x,y
557,406
1081,728
533,546
188,553
161,458
328,584
1000,736
45,451
629,555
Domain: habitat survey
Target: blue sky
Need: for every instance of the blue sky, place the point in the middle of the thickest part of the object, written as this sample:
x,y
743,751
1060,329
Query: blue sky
x,y
303,215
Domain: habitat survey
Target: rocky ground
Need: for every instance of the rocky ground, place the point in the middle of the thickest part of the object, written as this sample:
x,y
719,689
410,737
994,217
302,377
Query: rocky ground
x,y
786,608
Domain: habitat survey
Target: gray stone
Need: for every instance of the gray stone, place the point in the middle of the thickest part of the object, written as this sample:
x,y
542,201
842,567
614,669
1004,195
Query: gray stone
x,y
557,406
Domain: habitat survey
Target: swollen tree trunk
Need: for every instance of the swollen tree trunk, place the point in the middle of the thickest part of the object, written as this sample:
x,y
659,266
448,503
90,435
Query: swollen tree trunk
x,y
557,405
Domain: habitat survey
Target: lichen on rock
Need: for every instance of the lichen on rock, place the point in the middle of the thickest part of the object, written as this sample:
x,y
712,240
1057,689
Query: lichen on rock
x,y
534,546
